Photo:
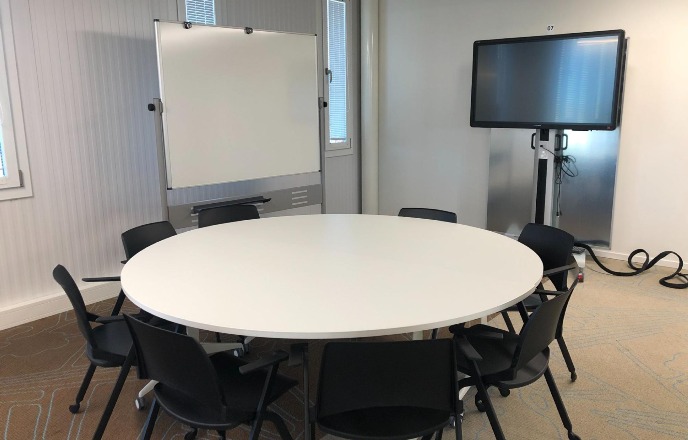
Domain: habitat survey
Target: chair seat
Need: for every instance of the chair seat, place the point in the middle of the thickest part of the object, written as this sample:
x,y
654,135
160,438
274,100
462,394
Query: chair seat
x,y
113,343
497,356
241,393
388,422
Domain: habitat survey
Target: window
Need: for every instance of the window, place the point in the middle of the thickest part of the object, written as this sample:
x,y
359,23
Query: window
x,y
14,171
338,120
200,11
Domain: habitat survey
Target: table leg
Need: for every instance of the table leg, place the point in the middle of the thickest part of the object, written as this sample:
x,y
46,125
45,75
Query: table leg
x,y
308,435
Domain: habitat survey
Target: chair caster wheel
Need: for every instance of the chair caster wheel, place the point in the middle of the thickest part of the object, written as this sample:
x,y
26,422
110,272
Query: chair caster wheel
x,y
479,404
239,352
504,392
191,435
140,403
74,408
574,376
573,436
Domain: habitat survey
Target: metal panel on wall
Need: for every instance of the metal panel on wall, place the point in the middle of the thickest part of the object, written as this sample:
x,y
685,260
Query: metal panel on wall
x,y
586,199
510,190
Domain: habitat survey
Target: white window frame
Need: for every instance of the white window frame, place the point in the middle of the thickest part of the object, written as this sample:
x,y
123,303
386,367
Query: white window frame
x,y
17,183
340,147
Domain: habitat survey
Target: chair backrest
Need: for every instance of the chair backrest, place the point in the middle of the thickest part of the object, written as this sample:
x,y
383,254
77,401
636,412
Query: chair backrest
x,y
359,375
552,245
137,239
227,214
542,327
428,213
177,362
64,279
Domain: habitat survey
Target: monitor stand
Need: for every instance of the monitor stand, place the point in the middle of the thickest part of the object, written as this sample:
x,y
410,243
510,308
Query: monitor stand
x,y
549,147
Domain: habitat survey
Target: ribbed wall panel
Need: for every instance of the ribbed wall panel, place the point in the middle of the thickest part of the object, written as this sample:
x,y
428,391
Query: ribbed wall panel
x,y
87,70
341,191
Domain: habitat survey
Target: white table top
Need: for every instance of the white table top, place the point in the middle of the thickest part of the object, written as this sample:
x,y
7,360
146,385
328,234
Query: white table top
x,y
330,276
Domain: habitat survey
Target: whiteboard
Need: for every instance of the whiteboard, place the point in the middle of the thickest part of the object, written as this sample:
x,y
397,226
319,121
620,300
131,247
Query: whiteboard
x,y
237,106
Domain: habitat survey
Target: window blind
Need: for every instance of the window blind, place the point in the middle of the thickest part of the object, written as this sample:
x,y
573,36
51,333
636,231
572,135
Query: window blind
x,y
337,57
200,11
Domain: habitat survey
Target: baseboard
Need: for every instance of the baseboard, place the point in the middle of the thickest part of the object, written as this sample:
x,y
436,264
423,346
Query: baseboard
x,y
28,311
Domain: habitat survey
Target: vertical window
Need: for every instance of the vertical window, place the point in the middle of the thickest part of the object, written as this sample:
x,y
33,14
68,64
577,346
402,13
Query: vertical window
x,y
3,167
9,169
14,167
200,11
337,72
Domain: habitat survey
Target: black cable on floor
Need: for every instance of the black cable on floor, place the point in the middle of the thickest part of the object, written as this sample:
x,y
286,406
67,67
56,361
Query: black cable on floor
x,y
645,266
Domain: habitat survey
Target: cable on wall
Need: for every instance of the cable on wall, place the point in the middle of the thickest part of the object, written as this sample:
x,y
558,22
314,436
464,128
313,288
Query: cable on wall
x,y
647,264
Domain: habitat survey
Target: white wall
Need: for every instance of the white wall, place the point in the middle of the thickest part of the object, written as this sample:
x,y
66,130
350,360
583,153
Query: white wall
x,y
429,155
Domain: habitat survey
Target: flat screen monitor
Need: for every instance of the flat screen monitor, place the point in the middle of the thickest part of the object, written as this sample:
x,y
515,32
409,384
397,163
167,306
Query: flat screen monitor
x,y
569,81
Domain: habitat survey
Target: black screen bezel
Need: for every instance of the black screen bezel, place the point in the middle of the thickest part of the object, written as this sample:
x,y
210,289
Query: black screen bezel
x,y
615,115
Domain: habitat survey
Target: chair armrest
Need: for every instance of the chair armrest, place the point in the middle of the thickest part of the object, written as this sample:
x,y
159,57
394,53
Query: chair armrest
x,y
557,292
274,358
100,279
466,349
560,269
548,292
108,319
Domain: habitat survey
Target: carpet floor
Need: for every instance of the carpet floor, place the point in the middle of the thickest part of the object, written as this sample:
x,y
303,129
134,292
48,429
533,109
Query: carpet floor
x,y
628,338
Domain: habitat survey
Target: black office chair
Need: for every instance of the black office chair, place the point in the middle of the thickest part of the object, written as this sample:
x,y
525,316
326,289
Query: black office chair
x,y
107,345
429,214
499,358
386,390
554,247
218,392
135,240
139,238
227,214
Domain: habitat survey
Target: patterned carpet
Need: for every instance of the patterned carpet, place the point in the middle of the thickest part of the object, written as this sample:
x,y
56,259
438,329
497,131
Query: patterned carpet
x,y
628,338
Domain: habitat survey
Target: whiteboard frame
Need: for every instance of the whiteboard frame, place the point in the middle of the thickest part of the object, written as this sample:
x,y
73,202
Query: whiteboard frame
x,y
273,159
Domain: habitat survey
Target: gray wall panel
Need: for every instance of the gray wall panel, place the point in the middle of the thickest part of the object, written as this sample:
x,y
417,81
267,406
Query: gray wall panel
x,y
342,193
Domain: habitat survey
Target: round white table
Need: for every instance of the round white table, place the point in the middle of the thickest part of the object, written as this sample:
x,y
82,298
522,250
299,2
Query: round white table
x,y
330,276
